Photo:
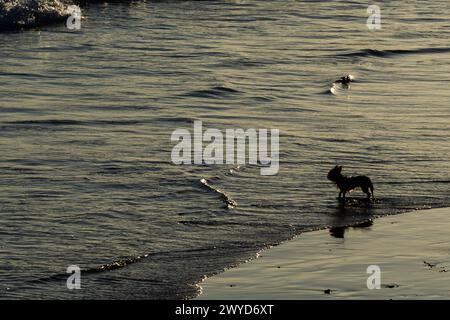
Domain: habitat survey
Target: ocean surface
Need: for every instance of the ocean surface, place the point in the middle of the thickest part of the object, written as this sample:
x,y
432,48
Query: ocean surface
x,y
86,117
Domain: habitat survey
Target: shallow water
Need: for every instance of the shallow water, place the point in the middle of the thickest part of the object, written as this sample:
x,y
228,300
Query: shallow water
x,y
86,117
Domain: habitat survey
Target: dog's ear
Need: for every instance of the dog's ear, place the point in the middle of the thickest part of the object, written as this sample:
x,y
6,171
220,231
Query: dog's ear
x,y
339,168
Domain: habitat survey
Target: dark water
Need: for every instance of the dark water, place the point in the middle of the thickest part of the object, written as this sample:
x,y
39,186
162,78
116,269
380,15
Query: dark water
x,y
86,117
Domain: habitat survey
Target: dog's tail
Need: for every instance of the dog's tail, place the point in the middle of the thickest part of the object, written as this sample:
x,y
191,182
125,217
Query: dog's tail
x,y
371,190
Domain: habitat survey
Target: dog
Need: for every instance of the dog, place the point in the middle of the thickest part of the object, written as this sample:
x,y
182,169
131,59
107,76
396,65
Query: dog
x,y
346,184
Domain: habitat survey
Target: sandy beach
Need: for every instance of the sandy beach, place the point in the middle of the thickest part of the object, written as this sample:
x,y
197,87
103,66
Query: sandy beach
x,y
411,250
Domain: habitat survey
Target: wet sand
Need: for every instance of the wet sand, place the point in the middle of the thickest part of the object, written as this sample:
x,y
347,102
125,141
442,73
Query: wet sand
x,y
412,251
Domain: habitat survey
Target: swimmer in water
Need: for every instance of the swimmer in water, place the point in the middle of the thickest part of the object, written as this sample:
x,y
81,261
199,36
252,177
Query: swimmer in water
x,y
345,80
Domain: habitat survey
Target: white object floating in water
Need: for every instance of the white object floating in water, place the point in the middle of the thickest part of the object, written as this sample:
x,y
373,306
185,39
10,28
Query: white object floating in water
x,y
333,89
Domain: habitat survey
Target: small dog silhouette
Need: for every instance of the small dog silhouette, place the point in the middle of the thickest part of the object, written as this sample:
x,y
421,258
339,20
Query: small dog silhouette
x,y
346,184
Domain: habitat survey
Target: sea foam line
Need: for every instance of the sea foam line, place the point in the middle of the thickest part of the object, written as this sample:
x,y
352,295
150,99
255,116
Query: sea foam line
x,y
230,203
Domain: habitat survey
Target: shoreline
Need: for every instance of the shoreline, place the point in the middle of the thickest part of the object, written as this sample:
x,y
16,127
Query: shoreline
x,y
411,251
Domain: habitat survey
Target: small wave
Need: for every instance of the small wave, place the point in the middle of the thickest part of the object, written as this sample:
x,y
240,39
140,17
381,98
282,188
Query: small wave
x,y
218,92
230,203
17,14
203,223
117,264
67,122
390,53
263,98
416,182
121,263
243,63
335,89
176,120
52,122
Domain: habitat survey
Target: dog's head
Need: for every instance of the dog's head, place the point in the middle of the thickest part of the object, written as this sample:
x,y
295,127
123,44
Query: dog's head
x,y
335,173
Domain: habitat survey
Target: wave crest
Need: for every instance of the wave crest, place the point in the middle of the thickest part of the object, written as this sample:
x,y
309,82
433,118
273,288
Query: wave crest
x,y
229,203
394,52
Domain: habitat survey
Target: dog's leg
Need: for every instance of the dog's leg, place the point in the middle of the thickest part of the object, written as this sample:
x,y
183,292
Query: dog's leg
x,y
366,191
